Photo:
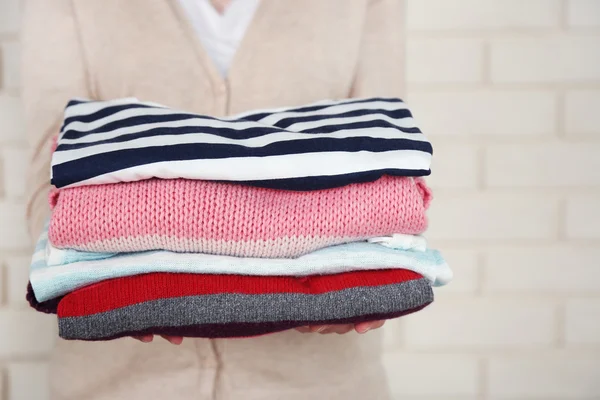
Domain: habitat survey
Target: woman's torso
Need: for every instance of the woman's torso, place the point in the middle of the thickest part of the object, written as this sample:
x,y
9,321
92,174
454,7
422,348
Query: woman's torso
x,y
292,53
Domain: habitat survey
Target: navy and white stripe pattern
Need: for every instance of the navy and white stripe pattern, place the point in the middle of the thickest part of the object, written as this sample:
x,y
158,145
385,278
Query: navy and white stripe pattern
x,y
322,145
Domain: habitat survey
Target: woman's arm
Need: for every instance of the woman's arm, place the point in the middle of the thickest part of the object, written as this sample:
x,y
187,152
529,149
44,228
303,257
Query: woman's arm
x,y
53,70
381,65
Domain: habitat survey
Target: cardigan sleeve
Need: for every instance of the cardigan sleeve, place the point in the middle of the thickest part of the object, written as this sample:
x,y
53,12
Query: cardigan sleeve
x,y
53,71
381,64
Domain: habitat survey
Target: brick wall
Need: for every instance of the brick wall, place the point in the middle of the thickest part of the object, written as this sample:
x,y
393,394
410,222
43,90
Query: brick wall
x,y
509,93
25,337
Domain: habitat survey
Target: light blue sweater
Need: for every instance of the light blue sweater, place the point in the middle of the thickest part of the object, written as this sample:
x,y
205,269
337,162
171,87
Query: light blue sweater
x,y
55,272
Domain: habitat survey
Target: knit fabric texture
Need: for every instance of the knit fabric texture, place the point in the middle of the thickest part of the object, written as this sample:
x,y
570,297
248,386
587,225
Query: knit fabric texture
x,y
224,219
316,146
55,272
47,307
235,306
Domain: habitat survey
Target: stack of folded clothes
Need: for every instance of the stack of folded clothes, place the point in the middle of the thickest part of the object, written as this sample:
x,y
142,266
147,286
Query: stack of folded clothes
x,y
166,222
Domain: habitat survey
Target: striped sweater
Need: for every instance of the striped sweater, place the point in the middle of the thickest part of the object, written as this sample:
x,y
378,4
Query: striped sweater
x,y
321,145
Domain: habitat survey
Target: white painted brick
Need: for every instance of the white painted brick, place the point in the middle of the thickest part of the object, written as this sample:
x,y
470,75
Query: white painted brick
x,y
583,320
583,217
17,277
12,125
14,167
555,270
552,377
439,376
11,65
392,334
443,60
3,288
485,112
454,167
28,381
26,333
583,13
485,216
482,323
465,265
581,114
9,16
13,226
543,165
560,59
482,14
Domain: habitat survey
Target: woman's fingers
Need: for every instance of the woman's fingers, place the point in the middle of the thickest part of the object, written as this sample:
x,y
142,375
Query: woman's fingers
x,y
318,328
365,327
144,338
340,329
362,327
325,329
176,340
303,329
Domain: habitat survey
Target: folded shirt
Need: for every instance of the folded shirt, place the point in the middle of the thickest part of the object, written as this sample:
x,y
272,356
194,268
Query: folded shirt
x,y
218,306
59,257
55,272
321,145
48,307
218,218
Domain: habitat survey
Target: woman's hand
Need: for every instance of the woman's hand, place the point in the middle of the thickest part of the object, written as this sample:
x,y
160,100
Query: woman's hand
x,y
176,340
362,327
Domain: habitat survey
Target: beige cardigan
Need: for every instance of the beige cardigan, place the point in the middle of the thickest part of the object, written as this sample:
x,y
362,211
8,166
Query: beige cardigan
x,y
294,52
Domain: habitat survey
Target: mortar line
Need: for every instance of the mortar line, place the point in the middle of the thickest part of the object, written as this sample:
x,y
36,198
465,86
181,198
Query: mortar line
x,y
561,316
486,70
4,393
481,274
481,167
483,382
3,285
564,15
561,99
562,220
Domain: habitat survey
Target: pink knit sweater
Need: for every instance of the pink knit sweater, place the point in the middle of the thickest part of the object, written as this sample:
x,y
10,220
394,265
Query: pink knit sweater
x,y
219,218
